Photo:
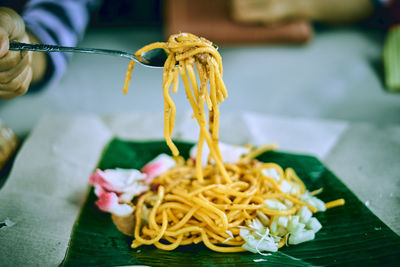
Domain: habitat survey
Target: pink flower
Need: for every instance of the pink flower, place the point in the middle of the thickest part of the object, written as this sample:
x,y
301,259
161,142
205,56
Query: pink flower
x,y
157,166
99,182
116,187
108,201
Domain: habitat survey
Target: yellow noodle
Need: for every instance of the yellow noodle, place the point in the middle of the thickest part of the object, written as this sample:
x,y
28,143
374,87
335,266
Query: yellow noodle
x,y
187,49
335,203
128,76
256,152
171,246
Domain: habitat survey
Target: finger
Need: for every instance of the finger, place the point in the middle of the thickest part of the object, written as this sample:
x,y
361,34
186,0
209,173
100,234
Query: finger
x,y
12,23
4,42
14,84
25,38
8,75
25,83
10,60
6,95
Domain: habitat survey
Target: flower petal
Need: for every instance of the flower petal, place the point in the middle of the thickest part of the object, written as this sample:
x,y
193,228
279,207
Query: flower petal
x,y
97,179
157,166
121,179
108,201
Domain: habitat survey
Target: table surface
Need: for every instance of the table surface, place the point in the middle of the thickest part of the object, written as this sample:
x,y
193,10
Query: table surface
x,y
48,183
335,76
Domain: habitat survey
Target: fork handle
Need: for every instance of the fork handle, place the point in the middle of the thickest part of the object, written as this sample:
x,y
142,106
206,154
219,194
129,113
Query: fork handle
x,y
56,48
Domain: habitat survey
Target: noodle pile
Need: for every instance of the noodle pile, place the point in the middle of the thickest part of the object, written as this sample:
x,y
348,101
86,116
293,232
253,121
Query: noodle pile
x,y
187,211
191,203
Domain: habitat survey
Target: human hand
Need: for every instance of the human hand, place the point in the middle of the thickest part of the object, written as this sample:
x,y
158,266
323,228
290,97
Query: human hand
x,y
15,66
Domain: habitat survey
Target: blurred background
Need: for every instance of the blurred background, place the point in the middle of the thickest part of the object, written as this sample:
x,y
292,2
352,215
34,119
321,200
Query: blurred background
x,y
276,63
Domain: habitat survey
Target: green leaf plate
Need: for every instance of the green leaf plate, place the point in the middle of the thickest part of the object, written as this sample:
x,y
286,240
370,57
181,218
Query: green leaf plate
x,y
351,234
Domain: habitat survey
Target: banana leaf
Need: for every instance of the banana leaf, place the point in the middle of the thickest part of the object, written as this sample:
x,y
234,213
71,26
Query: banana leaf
x,y
351,234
